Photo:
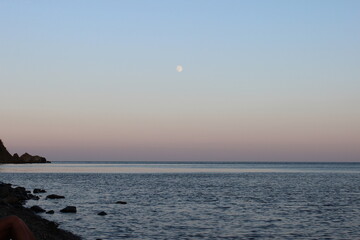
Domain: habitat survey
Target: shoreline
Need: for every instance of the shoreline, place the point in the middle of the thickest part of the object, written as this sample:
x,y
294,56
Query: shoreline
x,y
12,201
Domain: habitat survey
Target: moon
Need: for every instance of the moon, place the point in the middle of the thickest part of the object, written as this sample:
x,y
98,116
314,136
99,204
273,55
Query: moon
x,y
179,68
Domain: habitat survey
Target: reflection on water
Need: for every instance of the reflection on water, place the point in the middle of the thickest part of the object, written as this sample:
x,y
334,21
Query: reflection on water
x,y
98,167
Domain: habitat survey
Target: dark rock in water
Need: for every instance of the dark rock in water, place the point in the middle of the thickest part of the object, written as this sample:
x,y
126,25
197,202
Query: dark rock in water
x,y
68,209
50,212
16,195
37,209
54,196
38,190
102,213
21,189
33,197
6,157
121,202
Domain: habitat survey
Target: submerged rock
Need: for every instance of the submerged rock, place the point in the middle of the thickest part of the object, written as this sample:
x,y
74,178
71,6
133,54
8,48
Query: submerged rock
x,y
54,196
68,209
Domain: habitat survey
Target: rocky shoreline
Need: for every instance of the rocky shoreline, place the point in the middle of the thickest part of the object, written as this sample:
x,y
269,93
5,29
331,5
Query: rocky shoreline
x,y
12,200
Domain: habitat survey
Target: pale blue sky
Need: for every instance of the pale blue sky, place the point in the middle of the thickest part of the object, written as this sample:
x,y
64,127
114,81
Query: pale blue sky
x,y
261,79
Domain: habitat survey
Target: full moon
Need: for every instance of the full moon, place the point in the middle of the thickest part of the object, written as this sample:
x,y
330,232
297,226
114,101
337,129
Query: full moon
x,y
179,68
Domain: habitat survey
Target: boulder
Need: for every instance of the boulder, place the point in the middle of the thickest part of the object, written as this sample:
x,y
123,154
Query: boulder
x,y
50,212
33,197
38,190
102,213
37,209
16,195
68,209
121,202
54,196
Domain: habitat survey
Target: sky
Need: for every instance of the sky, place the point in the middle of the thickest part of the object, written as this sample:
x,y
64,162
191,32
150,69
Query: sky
x,y
96,80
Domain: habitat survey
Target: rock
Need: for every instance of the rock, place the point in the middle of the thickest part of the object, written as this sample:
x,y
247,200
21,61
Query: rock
x,y
33,197
38,190
11,200
54,196
102,213
43,229
16,157
37,209
68,209
121,202
27,158
6,157
4,190
14,195
50,212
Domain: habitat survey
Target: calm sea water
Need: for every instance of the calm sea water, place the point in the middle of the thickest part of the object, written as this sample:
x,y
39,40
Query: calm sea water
x,y
199,201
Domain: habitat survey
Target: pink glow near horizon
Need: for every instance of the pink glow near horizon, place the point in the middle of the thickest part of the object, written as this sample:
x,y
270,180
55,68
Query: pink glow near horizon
x,y
260,81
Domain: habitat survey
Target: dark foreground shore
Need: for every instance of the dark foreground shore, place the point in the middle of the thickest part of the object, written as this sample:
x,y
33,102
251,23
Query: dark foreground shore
x,y
11,203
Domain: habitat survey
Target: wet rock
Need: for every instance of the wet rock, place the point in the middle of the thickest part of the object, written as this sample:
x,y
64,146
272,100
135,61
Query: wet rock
x,y
14,195
102,213
54,196
33,197
20,189
50,212
68,209
121,202
37,209
38,190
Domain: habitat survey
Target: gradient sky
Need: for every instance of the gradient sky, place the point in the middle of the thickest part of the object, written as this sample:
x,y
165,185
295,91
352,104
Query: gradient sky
x,y
262,80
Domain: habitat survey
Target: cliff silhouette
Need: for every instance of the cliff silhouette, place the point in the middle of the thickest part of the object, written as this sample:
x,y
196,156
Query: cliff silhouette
x,y
6,157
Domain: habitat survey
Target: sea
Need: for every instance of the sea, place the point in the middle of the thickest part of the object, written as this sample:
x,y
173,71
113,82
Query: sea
x,y
208,200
